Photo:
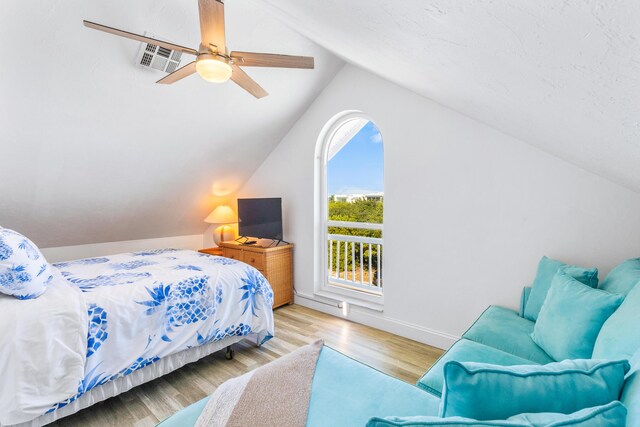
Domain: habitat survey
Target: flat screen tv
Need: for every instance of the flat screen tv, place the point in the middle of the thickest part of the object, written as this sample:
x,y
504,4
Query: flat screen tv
x,y
260,218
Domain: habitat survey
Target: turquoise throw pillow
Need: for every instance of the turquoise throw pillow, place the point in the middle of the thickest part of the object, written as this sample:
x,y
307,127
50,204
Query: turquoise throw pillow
x,y
623,277
631,392
418,421
613,414
493,392
619,337
547,269
571,318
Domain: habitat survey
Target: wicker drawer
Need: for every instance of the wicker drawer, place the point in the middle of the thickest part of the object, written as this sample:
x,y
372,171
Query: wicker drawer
x,y
254,259
276,263
233,253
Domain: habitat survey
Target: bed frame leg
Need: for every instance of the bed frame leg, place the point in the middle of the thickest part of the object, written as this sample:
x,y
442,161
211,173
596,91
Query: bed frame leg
x,y
228,353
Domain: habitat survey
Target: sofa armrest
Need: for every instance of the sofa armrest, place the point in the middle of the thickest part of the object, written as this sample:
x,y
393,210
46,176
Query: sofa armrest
x,y
524,298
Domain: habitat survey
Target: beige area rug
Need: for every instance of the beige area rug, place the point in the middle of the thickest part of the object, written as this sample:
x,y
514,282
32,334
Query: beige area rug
x,y
276,394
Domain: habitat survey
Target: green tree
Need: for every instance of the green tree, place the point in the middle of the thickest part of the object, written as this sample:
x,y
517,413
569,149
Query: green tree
x,y
367,211
358,211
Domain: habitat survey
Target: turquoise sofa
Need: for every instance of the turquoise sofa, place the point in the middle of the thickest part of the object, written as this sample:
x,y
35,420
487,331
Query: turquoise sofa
x,y
348,393
503,337
345,392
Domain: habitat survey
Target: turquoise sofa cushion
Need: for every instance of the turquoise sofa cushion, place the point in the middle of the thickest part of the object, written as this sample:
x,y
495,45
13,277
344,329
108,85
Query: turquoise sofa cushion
x,y
547,269
631,392
623,277
526,291
466,351
610,415
440,422
186,417
346,392
490,392
613,414
572,317
619,337
503,329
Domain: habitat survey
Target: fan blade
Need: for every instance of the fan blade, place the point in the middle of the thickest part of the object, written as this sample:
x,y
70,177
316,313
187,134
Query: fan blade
x,y
212,24
252,59
178,74
247,83
139,38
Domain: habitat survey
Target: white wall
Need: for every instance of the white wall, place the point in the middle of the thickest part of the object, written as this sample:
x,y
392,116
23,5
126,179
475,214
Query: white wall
x,y
469,211
502,64
66,253
93,150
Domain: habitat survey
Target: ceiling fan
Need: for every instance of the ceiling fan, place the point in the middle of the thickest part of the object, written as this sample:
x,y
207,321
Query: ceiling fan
x,y
213,62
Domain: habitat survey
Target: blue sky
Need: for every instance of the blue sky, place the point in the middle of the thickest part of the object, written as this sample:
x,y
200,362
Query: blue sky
x,y
358,167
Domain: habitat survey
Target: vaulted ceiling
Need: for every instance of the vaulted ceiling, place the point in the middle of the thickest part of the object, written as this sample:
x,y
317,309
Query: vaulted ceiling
x,y
561,75
93,150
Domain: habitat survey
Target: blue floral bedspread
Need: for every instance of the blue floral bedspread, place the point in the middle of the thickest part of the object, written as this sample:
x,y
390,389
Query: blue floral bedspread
x,y
144,306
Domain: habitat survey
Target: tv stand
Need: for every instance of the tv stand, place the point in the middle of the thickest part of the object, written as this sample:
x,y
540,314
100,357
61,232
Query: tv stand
x,y
248,240
275,263
274,242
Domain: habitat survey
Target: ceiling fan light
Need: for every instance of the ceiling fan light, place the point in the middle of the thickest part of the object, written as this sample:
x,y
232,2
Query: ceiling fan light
x,y
213,69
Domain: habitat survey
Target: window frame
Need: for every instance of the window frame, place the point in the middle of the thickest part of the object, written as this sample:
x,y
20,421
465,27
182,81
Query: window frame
x,y
322,287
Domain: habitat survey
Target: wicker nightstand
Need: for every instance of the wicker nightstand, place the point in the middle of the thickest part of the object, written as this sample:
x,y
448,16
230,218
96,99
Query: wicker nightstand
x,y
275,263
212,251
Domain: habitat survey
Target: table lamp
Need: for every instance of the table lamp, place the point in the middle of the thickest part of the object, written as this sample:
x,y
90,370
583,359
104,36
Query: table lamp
x,y
222,215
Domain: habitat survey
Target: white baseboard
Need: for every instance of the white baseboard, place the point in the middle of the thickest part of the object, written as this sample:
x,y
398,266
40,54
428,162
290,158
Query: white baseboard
x,y
66,253
378,320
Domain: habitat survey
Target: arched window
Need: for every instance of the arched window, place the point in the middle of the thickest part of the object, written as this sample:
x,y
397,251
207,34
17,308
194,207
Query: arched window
x,y
349,208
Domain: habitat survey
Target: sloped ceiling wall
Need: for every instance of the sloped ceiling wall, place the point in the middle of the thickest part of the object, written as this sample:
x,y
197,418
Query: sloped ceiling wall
x,y
561,75
92,150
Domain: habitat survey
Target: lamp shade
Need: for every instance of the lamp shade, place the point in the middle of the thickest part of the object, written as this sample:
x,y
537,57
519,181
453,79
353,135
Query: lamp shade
x,y
221,215
213,69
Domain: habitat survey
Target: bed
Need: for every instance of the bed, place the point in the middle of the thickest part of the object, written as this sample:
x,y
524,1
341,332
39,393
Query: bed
x,y
108,324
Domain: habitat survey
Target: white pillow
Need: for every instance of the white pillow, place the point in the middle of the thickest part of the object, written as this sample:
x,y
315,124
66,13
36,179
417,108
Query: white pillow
x,y
24,272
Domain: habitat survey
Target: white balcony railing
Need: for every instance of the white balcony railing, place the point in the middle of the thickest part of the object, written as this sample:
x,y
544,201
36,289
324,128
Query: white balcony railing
x,y
355,261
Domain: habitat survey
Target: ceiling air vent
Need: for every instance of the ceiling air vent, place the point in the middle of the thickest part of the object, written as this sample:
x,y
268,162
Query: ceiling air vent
x,y
151,56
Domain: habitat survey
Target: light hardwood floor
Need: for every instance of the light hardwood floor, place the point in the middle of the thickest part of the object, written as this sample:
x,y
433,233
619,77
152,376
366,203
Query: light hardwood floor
x,y
296,326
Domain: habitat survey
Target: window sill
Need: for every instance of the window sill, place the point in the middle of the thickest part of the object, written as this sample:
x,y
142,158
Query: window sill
x,y
353,297
353,289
